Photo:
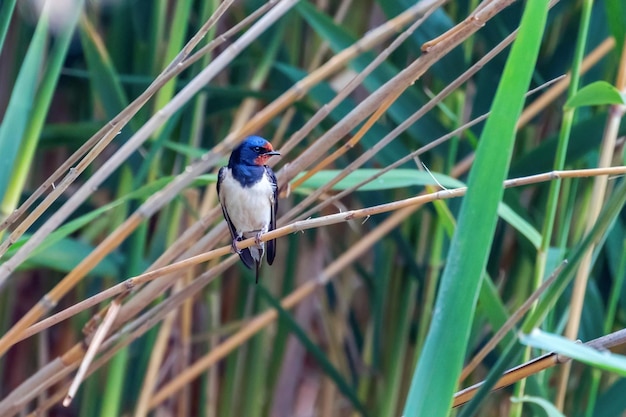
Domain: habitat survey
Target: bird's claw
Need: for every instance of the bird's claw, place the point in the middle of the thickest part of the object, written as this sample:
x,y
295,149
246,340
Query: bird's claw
x,y
234,246
257,238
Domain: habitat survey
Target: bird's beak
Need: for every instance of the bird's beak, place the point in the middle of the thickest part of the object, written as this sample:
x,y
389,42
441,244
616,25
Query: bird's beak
x,y
270,153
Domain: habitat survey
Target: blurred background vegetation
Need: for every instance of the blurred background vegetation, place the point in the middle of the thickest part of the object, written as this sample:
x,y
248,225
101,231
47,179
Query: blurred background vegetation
x,y
362,291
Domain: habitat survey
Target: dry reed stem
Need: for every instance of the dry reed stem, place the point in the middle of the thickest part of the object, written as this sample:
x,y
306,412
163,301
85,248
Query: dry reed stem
x,y
335,197
369,153
299,226
98,338
100,251
539,364
510,323
511,376
424,10
406,77
369,40
186,324
154,365
338,18
97,364
598,192
177,66
50,300
53,374
155,201
58,369
43,357
399,129
548,97
98,142
104,248
356,81
154,123
398,83
148,293
308,288
387,102
315,63
264,319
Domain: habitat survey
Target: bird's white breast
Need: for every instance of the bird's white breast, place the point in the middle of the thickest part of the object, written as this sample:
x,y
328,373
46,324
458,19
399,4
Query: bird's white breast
x,y
249,208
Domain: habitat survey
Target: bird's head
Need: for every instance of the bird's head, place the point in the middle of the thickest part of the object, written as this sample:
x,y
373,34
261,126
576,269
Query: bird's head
x,y
254,150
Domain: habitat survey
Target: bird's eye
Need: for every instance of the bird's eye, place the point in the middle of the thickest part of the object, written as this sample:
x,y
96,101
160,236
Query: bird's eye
x,y
257,149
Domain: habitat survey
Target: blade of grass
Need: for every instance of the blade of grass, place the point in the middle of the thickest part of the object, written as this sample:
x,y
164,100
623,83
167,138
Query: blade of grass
x,y
599,190
21,103
102,73
435,379
548,407
314,350
155,122
397,347
551,342
6,12
40,111
175,42
611,308
514,349
115,388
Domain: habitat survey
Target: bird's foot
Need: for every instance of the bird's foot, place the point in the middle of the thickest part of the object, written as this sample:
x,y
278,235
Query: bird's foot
x,y
257,238
234,245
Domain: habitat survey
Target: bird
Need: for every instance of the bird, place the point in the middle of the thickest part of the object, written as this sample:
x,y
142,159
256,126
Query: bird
x,y
248,193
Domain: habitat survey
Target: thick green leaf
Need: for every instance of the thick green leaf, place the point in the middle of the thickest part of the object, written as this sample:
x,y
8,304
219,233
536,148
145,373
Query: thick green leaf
x,y
554,343
23,164
439,366
491,305
403,178
183,149
548,407
596,94
510,354
396,178
71,135
21,102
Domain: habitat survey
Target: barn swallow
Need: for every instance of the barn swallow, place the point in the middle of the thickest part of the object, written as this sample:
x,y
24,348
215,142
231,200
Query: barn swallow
x,y
247,191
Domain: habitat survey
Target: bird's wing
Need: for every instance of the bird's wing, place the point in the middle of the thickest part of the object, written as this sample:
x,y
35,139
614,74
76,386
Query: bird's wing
x,y
245,255
222,198
271,245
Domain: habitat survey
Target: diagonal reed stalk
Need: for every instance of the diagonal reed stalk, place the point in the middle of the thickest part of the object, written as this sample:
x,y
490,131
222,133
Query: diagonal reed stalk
x,y
152,205
401,208
403,80
198,242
